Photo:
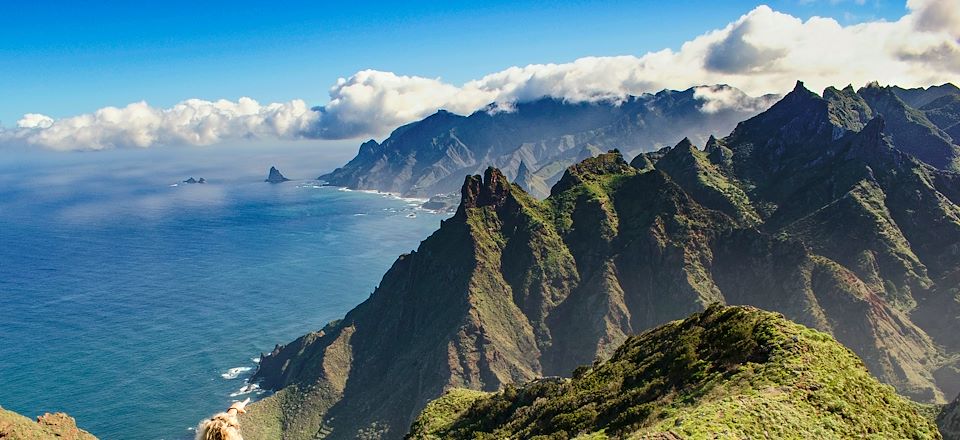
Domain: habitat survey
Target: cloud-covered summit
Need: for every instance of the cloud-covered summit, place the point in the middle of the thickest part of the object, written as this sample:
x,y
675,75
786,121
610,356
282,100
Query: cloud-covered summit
x,y
761,52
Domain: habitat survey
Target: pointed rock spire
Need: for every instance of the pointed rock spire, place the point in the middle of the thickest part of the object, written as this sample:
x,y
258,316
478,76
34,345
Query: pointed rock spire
x,y
275,176
522,172
490,190
684,144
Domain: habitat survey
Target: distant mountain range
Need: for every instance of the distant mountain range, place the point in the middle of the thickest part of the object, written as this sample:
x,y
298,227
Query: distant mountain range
x,y
839,211
534,142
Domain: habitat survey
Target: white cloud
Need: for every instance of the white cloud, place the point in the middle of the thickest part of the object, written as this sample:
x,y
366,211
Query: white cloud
x,y
763,51
35,120
191,122
717,98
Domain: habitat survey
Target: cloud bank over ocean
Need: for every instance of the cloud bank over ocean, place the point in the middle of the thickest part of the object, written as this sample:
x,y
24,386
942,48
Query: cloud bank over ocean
x,y
764,51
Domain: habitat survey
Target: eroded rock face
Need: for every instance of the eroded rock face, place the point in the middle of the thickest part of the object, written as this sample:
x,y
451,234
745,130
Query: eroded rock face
x,y
490,190
808,209
949,420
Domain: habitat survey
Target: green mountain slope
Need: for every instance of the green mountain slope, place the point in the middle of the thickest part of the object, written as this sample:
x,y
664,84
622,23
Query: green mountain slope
x,y
810,209
738,372
14,426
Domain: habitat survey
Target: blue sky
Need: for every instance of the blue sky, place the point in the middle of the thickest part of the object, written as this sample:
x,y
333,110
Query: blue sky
x,y
65,58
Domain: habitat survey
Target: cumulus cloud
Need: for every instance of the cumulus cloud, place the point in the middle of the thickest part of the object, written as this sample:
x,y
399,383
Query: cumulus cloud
x,y
191,122
763,51
721,97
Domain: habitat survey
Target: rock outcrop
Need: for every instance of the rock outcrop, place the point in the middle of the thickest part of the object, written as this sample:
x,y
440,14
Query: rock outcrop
x,y
14,426
275,177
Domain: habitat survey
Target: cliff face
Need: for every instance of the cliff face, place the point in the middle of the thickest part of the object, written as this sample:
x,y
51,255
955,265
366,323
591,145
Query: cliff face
x,y
48,426
949,420
739,371
810,209
431,156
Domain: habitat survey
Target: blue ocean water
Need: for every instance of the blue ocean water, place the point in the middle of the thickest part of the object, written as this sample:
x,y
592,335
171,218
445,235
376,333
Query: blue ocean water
x,y
126,301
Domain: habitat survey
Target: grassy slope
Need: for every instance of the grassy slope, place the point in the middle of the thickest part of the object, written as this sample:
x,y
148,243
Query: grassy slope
x,y
49,426
736,372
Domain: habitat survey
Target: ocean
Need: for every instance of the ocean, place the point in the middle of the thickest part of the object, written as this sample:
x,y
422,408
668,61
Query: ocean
x,y
139,304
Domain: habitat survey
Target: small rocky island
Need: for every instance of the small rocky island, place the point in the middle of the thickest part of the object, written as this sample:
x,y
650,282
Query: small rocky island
x,y
443,202
275,176
192,180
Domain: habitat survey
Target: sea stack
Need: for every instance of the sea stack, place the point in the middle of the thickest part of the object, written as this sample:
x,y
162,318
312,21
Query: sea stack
x,y
275,176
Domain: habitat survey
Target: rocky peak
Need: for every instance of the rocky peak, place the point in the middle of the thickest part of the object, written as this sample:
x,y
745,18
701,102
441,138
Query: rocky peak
x,y
492,189
522,172
684,144
611,162
683,156
797,118
712,144
368,148
275,177
847,109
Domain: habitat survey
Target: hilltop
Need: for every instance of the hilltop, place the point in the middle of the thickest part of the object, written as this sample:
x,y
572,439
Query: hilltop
x,y
738,372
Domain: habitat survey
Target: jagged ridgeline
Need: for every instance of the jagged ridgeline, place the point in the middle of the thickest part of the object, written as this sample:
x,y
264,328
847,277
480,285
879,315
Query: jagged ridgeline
x,y
534,142
728,372
811,209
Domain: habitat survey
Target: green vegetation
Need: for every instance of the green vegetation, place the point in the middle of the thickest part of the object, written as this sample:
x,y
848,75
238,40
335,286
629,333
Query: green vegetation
x,y
810,209
737,372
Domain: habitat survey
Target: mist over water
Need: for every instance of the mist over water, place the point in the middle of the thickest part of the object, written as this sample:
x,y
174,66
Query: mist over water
x,y
135,302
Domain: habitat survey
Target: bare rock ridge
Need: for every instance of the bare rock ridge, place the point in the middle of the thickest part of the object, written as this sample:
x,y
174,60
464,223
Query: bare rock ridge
x,y
811,209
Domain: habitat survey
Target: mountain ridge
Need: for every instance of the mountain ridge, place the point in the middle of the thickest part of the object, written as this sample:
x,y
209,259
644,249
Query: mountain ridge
x,y
809,209
430,156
